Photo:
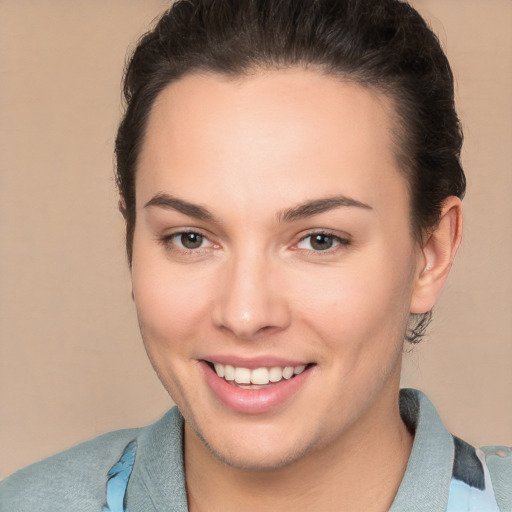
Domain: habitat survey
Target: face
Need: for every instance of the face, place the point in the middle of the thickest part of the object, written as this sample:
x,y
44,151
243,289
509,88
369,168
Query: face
x,y
273,262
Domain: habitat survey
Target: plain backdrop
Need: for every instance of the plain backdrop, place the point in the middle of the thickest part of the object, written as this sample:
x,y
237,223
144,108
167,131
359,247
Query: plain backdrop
x,y
71,361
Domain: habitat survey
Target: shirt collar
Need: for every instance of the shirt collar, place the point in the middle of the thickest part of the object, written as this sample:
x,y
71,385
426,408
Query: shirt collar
x,y
426,483
158,483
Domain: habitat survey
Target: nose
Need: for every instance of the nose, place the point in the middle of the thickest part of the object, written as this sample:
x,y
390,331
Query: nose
x,y
250,299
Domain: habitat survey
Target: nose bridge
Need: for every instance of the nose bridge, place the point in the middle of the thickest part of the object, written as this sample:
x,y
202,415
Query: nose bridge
x,y
249,299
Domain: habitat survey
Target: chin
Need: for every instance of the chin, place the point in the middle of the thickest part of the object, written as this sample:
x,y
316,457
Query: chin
x,y
259,451
256,458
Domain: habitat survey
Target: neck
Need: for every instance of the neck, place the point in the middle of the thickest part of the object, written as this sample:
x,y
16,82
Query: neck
x,y
361,470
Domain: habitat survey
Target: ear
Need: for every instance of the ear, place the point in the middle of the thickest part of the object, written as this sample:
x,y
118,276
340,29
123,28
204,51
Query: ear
x,y
436,257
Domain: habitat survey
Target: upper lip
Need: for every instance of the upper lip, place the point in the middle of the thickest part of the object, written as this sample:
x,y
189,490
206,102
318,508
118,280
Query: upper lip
x,y
255,362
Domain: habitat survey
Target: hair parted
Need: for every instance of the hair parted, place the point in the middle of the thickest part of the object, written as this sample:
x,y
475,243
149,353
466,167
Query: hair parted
x,y
383,44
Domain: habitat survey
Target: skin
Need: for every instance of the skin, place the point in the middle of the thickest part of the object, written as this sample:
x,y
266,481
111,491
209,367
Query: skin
x,y
247,151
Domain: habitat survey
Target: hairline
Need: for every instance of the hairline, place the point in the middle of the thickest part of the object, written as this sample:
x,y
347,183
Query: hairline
x,y
393,107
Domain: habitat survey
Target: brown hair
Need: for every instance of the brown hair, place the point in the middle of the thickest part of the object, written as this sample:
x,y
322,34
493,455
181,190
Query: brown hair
x,y
386,45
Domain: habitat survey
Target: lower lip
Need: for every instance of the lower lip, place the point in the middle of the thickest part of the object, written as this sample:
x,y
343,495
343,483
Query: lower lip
x,y
253,401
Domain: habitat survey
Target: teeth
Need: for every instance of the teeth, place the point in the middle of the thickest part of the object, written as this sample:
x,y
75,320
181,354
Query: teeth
x,y
259,376
219,368
229,372
288,372
275,374
242,375
299,369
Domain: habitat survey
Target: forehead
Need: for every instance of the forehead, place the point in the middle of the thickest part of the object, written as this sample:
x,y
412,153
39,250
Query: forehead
x,y
287,130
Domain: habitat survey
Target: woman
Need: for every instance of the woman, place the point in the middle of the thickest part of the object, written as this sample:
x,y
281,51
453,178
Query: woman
x,y
290,179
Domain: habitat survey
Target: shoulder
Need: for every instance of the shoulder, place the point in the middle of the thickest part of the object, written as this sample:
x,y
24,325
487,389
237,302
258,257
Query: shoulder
x,y
498,460
481,478
446,473
71,480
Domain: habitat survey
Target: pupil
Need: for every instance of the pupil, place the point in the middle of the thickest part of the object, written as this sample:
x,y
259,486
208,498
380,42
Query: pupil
x,y
191,240
321,242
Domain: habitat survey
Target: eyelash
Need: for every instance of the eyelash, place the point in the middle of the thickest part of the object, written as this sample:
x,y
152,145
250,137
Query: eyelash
x,y
169,244
337,241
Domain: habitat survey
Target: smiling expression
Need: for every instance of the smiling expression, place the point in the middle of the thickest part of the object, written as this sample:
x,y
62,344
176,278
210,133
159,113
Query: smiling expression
x,y
273,261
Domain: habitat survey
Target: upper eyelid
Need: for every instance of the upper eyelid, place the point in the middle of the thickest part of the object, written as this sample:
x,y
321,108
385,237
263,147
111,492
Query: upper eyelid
x,y
180,231
341,242
166,238
342,237
321,232
326,232
175,249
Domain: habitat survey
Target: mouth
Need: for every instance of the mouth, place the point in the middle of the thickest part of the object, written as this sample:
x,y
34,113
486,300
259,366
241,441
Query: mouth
x,y
256,390
256,378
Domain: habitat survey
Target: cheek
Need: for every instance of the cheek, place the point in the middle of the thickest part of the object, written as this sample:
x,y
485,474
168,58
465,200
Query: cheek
x,y
169,303
360,306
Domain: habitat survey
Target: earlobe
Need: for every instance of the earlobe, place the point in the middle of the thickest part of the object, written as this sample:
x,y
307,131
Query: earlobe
x,y
437,255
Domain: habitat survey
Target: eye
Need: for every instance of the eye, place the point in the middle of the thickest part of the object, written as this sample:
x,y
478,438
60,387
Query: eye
x,y
321,242
189,240
185,241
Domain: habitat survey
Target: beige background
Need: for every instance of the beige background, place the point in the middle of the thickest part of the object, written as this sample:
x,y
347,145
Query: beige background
x,y
71,362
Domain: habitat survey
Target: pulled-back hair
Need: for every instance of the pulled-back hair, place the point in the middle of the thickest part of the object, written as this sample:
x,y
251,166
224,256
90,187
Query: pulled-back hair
x,y
384,44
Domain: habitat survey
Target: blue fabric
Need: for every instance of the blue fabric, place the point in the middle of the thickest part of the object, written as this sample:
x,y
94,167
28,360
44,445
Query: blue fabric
x,y
118,477
499,461
464,498
443,474
471,488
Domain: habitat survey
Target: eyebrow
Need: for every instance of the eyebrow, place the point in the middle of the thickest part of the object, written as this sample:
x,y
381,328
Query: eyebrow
x,y
173,203
317,206
301,211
